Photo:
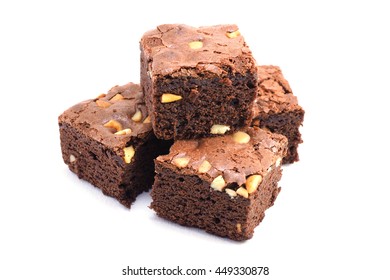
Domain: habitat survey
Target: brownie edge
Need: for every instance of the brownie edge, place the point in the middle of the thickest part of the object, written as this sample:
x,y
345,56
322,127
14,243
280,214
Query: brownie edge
x,y
277,110
108,141
222,185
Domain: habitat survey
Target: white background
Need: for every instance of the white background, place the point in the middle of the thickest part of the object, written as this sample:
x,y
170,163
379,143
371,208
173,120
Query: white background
x,y
331,220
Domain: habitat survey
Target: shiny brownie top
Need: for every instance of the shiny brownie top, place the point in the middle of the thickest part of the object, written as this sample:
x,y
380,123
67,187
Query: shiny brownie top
x,y
113,118
274,92
171,47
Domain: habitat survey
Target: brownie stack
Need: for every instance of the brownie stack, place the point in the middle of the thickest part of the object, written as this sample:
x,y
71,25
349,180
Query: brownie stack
x,y
200,130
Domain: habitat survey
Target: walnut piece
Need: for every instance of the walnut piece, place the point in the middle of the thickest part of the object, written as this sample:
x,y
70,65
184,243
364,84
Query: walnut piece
x,y
117,97
204,167
219,129
103,103
125,131
253,182
218,183
233,34
72,158
195,45
241,137
113,124
181,162
137,117
231,193
169,97
147,119
129,153
243,192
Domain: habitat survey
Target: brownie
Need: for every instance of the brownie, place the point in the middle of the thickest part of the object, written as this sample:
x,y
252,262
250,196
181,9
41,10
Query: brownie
x,y
108,141
198,82
222,185
277,109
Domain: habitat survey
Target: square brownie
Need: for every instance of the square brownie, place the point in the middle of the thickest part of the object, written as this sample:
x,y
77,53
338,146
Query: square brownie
x,y
222,185
198,82
108,141
277,109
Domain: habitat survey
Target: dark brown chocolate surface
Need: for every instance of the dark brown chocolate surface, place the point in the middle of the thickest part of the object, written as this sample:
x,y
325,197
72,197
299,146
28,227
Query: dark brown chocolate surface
x,y
277,109
189,194
95,134
212,73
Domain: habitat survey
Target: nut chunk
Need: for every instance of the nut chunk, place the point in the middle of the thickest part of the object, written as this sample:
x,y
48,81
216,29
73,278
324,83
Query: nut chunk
x,y
194,78
104,143
220,182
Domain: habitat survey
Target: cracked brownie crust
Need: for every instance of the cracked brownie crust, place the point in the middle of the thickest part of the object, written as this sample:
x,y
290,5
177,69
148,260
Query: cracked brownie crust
x,y
108,141
222,185
277,109
194,78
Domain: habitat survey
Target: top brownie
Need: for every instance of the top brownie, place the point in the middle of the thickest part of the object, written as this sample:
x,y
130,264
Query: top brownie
x,y
198,82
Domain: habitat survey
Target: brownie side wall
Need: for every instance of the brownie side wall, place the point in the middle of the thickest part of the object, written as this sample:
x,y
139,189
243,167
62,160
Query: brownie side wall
x,y
189,201
287,124
105,169
93,161
263,199
141,176
207,99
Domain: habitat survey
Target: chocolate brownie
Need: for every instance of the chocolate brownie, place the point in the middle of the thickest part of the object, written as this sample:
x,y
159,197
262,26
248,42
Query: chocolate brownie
x,y
222,184
198,82
277,109
108,141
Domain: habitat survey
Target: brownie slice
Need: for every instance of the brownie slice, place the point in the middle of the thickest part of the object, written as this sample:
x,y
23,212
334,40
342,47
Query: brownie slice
x,y
277,109
223,184
198,82
108,141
